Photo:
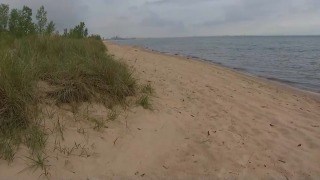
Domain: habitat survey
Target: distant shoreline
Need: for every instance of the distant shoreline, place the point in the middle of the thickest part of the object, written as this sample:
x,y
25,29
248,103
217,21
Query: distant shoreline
x,y
218,36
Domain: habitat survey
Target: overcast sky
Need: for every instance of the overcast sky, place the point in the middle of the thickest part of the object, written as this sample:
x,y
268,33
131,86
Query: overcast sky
x,y
168,18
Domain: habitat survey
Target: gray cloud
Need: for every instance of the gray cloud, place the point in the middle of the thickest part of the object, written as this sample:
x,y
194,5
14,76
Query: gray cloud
x,y
159,18
155,21
180,2
250,10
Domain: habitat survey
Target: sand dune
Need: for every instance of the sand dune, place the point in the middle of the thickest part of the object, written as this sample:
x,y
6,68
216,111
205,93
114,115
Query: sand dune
x,y
208,122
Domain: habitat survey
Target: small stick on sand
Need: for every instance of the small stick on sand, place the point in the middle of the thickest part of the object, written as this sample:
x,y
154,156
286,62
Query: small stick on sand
x,y
114,142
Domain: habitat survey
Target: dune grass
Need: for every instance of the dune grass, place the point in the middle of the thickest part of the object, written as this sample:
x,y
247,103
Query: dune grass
x,y
77,70
145,102
38,162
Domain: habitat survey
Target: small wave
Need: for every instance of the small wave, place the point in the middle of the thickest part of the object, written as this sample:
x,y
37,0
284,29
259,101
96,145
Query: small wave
x,y
195,57
239,69
281,80
157,51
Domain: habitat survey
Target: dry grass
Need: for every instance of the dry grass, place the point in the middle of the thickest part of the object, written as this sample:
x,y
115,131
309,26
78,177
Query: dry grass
x,y
98,124
59,127
147,88
112,115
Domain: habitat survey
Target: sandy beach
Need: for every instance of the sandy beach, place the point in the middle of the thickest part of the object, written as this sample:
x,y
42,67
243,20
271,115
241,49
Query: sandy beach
x,y
208,122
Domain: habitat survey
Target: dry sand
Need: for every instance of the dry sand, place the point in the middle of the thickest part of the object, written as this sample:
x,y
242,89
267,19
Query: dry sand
x,y
209,122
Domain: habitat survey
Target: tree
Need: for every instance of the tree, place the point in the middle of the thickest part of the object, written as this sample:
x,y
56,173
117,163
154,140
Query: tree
x,y
20,22
79,31
65,32
70,34
50,28
26,26
86,32
42,20
14,22
4,16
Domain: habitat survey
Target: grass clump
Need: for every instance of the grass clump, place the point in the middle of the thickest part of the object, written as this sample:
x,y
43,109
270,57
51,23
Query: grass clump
x,y
35,137
98,124
144,101
8,149
40,161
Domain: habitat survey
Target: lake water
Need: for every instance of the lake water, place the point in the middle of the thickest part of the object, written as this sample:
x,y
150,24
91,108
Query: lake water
x,y
291,60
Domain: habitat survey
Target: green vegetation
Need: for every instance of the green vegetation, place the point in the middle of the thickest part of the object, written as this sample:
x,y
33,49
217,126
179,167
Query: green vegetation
x,y
42,20
40,66
39,161
95,36
74,67
4,16
144,101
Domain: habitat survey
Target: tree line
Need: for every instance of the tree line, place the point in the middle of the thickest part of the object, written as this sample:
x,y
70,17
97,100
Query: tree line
x,y
19,22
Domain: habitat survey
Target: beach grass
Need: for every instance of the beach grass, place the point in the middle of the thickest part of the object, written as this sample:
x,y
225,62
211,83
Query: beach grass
x,y
39,161
74,70
145,102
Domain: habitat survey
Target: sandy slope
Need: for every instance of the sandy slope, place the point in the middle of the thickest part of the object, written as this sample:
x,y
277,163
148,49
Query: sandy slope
x,y
209,122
